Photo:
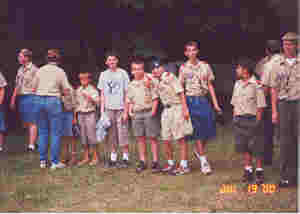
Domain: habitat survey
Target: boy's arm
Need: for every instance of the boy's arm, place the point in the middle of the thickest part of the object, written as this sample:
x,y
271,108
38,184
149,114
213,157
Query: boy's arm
x,y
126,107
274,98
2,93
154,106
259,114
185,110
213,96
13,99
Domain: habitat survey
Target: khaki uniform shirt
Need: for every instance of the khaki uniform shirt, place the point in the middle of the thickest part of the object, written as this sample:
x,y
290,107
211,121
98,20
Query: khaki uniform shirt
x,y
83,104
286,78
69,100
51,80
247,97
196,78
3,82
141,94
24,79
169,88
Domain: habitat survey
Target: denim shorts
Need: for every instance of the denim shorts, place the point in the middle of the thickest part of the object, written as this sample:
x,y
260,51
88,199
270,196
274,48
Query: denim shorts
x,y
2,122
27,108
67,118
203,118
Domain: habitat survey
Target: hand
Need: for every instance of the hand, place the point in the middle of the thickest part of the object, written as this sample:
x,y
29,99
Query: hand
x,y
274,117
124,117
218,109
153,113
186,114
12,106
74,121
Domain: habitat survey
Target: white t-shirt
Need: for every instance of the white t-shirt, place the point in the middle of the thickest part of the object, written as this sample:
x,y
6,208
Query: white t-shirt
x,y
114,85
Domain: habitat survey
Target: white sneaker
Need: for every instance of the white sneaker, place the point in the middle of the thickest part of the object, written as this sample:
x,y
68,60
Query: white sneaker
x,y
43,164
205,168
59,165
1,149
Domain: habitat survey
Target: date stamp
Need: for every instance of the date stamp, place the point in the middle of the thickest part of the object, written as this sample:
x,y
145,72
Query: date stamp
x,y
251,188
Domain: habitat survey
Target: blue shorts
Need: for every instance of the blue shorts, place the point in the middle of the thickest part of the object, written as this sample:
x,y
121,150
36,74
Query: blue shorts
x,y
2,122
203,118
67,118
27,108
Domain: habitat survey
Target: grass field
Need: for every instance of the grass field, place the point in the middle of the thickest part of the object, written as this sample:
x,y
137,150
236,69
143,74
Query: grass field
x,y
24,187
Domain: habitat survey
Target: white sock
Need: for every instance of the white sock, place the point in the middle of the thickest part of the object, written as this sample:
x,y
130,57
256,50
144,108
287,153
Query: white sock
x,y
171,162
184,163
249,168
30,146
113,156
259,169
203,158
125,156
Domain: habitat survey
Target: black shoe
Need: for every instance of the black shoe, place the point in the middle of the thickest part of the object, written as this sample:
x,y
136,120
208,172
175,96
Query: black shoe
x,y
110,164
155,167
123,164
248,176
141,167
259,177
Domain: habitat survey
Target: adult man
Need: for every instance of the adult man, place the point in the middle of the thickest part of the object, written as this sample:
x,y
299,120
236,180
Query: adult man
x,y
285,92
272,51
25,92
51,82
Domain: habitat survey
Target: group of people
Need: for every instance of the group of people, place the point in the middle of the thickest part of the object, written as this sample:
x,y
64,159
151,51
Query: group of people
x,y
160,104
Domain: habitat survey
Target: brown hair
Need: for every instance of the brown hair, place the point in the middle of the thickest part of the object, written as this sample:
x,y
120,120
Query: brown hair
x,y
27,53
191,43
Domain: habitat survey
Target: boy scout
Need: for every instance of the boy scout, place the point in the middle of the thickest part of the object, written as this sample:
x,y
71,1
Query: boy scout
x,y
285,92
175,119
113,84
87,98
3,84
248,101
69,105
26,95
196,76
142,98
272,51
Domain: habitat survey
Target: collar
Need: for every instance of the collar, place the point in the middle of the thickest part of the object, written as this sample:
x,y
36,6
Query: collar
x,y
28,66
189,64
53,63
284,58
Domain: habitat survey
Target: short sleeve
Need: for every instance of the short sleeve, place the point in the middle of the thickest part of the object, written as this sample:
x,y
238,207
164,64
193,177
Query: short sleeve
x,y
100,81
261,99
3,82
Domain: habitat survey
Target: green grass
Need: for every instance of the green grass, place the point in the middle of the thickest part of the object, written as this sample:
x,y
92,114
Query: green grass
x,y
26,188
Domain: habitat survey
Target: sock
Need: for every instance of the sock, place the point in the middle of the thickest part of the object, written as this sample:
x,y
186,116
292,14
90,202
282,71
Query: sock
x,y
171,162
113,156
125,156
184,163
203,158
259,169
249,168
30,146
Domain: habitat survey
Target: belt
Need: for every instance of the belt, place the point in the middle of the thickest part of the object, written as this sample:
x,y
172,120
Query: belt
x,y
85,112
143,110
170,105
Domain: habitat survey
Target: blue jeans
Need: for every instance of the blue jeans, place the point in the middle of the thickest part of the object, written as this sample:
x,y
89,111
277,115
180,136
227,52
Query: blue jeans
x,y
49,114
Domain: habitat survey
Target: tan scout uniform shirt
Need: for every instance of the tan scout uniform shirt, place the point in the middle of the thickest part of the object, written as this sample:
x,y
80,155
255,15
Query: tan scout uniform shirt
x,y
83,104
247,97
196,78
265,69
24,79
286,78
169,88
3,82
69,100
51,80
141,94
